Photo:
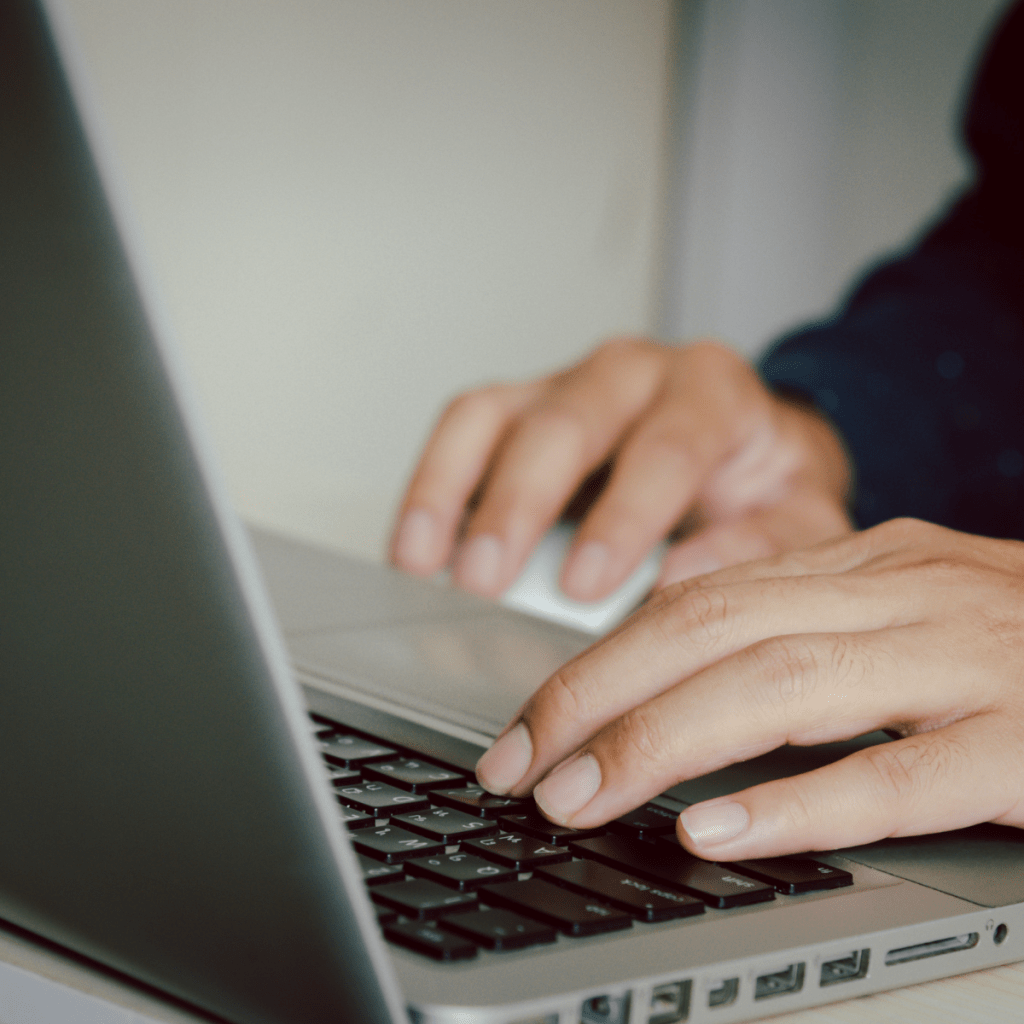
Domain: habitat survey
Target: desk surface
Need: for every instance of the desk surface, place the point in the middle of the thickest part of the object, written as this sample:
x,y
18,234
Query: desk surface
x,y
37,984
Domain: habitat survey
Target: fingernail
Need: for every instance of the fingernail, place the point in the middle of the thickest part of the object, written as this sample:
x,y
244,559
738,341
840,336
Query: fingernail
x,y
710,825
414,546
506,762
583,575
478,566
569,787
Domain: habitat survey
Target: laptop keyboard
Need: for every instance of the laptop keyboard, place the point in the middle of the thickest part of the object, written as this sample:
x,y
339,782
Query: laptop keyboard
x,y
453,869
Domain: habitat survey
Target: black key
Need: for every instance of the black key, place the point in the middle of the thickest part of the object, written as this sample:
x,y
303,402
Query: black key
x,y
415,776
669,863
445,824
499,929
351,751
342,776
646,901
357,819
420,898
380,799
533,823
426,939
570,912
476,800
385,916
513,851
393,844
321,730
376,873
670,803
460,870
645,823
795,874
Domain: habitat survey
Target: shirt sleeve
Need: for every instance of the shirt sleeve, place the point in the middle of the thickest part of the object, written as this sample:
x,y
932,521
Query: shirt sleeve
x,y
922,369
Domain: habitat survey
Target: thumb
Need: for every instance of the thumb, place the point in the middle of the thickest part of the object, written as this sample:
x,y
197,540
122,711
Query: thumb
x,y
932,782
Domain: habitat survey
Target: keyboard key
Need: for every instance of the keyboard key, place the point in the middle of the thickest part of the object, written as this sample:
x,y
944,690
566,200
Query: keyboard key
x,y
533,823
342,776
795,874
514,851
321,730
426,939
351,751
499,929
645,823
476,800
385,916
415,776
460,870
646,901
717,886
380,799
357,819
393,844
670,803
571,913
376,873
420,898
445,824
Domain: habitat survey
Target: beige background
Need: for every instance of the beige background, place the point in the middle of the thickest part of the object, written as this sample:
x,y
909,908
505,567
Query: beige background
x,y
355,208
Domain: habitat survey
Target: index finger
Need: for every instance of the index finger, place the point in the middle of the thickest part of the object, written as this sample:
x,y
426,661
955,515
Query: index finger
x,y
450,469
681,633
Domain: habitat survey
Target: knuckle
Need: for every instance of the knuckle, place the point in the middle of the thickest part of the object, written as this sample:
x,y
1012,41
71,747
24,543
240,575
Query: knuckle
x,y
642,740
901,773
785,671
565,697
803,814
482,403
698,618
625,349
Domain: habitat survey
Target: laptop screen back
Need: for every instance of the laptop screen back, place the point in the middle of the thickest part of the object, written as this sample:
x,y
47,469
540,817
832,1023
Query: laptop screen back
x,y
158,814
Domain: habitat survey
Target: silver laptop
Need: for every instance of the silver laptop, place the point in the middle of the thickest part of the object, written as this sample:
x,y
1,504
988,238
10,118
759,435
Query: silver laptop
x,y
178,809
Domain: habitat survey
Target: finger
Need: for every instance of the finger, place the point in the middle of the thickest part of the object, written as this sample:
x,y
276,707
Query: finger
x,y
709,409
882,546
556,443
450,468
956,776
801,690
805,517
680,632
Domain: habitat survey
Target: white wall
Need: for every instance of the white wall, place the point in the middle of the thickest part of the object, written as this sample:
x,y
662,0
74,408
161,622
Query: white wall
x,y
356,208
814,136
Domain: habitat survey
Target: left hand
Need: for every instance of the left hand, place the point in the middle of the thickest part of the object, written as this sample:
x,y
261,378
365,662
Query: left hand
x,y
908,627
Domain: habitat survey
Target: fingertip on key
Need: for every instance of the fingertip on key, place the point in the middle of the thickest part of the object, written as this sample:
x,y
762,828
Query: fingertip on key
x,y
506,762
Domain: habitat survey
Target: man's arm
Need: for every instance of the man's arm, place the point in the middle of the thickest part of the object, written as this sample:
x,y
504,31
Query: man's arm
x,y
922,370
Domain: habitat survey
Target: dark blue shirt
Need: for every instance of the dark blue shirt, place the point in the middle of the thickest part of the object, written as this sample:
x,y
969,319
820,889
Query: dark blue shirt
x,y
922,369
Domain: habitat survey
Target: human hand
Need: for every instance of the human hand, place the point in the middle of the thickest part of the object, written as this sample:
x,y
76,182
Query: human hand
x,y
908,626
689,432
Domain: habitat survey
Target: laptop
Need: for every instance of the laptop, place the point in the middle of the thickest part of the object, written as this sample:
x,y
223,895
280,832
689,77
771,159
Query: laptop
x,y
264,806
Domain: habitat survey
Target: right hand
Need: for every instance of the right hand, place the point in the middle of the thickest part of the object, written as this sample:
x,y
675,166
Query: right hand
x,y
694,444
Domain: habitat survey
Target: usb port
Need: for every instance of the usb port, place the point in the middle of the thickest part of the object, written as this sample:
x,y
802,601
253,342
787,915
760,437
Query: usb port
x,y
954,944
725,993
605,1010
780,982
669,1003
846,968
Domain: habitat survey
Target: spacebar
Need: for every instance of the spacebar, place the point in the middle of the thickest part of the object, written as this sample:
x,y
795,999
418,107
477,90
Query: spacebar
x,y
715,885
